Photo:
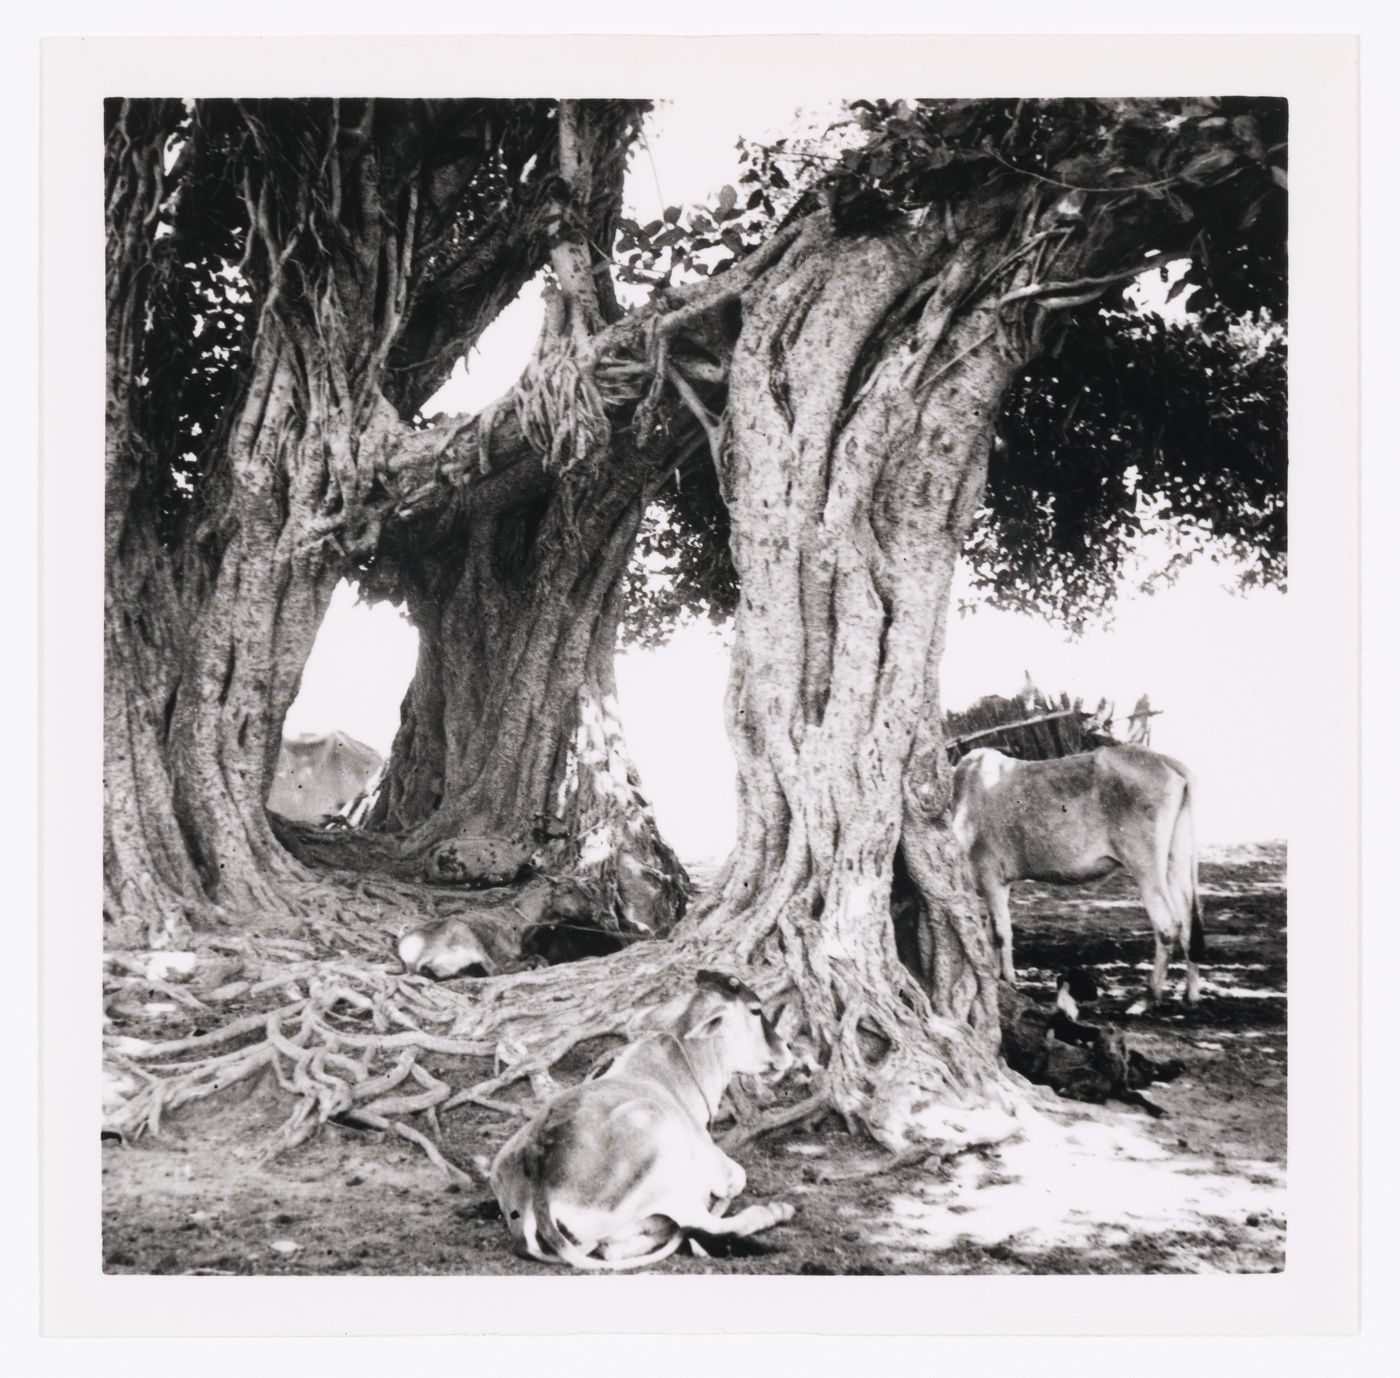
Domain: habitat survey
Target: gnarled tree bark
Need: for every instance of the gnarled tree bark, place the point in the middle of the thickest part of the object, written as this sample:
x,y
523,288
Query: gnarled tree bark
x,y
510,727
865,364
862,396
362,296
862,392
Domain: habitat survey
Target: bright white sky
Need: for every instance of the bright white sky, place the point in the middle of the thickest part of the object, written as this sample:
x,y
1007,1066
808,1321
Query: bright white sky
x,y
1214,661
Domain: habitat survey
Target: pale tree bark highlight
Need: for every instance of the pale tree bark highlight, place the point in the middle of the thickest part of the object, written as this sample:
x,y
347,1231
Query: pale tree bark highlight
x,y
860,417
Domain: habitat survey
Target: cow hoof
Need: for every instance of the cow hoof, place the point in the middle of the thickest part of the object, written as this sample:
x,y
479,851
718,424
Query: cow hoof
x,y
1139,1006
781,1211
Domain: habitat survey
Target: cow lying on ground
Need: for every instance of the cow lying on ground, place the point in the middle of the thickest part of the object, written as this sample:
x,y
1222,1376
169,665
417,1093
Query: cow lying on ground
x,y
1077,819
1052,1046
549,920
443,950
613,1172
454,947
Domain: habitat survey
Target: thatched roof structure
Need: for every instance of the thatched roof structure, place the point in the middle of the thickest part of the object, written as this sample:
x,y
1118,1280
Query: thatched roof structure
x,y
1036,726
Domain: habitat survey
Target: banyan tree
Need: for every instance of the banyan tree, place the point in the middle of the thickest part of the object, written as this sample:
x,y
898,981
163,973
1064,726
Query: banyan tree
x,y
832,384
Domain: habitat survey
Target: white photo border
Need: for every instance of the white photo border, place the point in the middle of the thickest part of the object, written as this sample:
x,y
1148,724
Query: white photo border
x,y
1317,1293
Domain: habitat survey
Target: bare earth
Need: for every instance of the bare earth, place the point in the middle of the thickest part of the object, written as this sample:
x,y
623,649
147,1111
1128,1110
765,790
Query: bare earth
x,y
1087,1190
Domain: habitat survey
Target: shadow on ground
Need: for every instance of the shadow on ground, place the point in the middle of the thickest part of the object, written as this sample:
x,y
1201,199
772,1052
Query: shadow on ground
x,y
1088,1189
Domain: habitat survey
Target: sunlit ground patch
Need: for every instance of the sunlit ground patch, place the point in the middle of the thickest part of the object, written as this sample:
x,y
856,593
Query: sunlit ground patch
x,y
1091,1186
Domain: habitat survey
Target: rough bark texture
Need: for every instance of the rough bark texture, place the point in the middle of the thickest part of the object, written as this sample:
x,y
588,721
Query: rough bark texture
x,y
374,254
861,395
257,574
510,727
861,411
872,352
151,889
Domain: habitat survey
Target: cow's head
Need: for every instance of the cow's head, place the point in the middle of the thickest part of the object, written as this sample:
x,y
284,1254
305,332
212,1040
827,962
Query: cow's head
x,y
723,1007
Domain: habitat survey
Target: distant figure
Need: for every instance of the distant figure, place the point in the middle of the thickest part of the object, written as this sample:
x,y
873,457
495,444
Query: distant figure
x,y
1140,723
318,774
1078,819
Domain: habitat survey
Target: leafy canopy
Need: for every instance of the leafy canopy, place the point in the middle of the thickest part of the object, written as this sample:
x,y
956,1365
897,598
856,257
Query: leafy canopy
x,y
1130,423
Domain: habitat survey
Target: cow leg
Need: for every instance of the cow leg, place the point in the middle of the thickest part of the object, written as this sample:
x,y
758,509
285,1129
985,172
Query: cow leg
x,y
1162,912
1193,982
1183,904
750,1220
650,1236
728,1181
997,895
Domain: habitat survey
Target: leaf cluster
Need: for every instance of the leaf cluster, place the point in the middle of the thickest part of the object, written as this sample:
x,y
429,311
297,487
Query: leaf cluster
x,y
1134,424
330,210
681,570
1142,426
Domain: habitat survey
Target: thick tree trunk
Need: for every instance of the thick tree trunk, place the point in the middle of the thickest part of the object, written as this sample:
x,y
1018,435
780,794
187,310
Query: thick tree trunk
x,y
211,613
861,409
510,728
150,888
229,664
860,403
257,628
360,285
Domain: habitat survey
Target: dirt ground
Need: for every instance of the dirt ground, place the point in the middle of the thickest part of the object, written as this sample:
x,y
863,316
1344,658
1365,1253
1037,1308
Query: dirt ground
x,y
1087,1189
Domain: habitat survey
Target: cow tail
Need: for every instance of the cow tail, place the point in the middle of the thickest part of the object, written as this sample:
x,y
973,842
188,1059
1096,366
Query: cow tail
x,y
1184,840
550,1234
1197,949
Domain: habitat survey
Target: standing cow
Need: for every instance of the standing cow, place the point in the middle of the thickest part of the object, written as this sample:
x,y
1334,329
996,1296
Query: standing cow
x,y
1077,819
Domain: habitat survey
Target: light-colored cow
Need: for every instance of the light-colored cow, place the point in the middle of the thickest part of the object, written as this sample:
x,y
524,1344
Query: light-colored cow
x,y
444,949
318,774
611,1173
1077,819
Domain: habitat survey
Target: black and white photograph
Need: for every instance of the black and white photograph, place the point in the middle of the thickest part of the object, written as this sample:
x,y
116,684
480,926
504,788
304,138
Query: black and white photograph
x,y
851,963
700,685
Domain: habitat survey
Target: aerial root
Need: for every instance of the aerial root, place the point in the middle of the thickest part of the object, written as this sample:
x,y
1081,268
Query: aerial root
x,y
327,1050
932,1152
348,1047
911,1157
452,1172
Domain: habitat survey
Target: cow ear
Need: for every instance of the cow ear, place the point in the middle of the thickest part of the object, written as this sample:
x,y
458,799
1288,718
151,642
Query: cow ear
x,y
707,1027
661,1018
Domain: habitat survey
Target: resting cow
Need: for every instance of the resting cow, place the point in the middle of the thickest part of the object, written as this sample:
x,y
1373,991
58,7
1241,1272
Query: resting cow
x,y
1077,819
443,950
611,1173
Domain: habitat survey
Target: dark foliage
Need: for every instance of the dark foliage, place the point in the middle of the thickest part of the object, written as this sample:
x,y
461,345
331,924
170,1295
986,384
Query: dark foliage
x,y
1137,424
681,569
1128,417
323,177
1128,420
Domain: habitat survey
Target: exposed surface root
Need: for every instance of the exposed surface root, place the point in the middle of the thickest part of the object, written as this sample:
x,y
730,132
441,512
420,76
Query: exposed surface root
x,y
810,1108
344,1038
349,1038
